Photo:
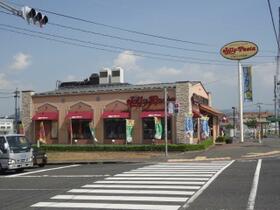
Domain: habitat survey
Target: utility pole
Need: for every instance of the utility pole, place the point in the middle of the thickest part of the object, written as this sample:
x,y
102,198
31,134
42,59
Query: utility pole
x,y
260,123
165,121
277,89
16,96
233,120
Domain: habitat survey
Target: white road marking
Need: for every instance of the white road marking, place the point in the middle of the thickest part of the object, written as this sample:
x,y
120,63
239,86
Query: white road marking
x,y
254,189
164,172
150,182
200,191
159,178
169,175
121,198
145,192
142,186
105,206
43,170
64,176
173,170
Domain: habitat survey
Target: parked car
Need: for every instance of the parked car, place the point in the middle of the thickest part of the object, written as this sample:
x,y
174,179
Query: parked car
x,y
40,157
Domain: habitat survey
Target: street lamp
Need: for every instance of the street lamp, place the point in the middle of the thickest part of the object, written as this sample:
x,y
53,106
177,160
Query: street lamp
x,y
233,119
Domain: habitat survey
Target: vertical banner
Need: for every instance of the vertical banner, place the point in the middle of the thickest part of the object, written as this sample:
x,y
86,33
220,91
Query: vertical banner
x,y
247,81
204,126
158,128
189,125
170,107
42,134
129,130
92,132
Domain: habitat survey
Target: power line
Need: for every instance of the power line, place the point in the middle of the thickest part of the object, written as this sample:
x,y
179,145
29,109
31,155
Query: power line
x,y
120,28
102,49
136,41
130,40
273,24
111,46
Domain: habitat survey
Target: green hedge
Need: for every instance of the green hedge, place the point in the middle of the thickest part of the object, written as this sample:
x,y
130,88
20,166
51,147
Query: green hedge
x,y
130,147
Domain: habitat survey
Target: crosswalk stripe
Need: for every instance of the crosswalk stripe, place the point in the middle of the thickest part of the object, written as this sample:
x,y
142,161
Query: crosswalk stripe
x,y
169,175
121,198
159,178
171,172
162,186
105,206
150,182
142,186
148,192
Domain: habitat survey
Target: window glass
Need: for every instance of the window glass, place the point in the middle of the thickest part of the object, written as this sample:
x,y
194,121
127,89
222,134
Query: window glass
x,y
54,128
115,128
2,141
195,127
80,129
149,128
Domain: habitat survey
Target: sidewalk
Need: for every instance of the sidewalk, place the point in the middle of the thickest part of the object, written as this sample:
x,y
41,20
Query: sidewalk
x,y
250,149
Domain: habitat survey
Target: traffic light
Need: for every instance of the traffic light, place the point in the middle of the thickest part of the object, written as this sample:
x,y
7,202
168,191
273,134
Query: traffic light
x,y
31,14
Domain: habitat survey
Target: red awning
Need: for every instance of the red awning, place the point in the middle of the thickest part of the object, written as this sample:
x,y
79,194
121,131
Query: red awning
x,y
45,116
196,113
116,115
80,115
153,114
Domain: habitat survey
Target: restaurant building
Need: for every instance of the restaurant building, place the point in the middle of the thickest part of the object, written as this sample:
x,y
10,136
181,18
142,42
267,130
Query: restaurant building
x,y
98,109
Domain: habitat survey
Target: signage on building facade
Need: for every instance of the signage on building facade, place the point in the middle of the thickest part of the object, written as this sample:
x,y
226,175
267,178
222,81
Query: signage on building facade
x,y
140,101
239,50
196,99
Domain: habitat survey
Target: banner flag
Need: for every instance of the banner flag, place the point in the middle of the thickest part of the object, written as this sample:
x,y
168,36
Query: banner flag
x,y
42,134
158,128
189,125
247,77
129,130
92,131
204,126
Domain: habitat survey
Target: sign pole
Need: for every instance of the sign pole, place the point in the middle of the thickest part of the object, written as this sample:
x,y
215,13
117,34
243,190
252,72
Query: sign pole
x,y
240,101
165,121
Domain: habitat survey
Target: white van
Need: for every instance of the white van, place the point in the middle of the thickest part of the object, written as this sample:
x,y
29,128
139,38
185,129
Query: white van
x,y
15,152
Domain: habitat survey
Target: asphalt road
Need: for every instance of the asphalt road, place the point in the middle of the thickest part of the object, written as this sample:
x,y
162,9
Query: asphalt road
x,y
203,185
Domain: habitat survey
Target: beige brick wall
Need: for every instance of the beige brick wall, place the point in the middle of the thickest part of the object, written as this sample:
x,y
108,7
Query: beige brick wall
x,y
183,96
26,113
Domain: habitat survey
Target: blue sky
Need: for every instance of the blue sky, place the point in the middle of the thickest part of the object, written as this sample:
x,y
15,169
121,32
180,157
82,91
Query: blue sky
x,y
33,63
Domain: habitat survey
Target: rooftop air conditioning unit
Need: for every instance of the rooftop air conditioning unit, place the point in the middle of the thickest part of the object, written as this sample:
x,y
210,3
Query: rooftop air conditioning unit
x,y
105,76
117,75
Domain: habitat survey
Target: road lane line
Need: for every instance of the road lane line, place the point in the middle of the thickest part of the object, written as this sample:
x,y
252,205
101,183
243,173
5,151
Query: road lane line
x,y
43,170
142,186
121,198
168,175
62,176
159,178
200,191
254,189
150,182
172,172
145,192
105,206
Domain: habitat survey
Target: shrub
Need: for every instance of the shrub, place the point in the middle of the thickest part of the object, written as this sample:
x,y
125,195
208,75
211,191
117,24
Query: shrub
x,y
126,148
220,139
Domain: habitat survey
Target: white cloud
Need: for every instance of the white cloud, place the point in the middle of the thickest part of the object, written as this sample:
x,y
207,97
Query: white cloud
x,y
164,71
126,60
70,78
4,82
20,61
